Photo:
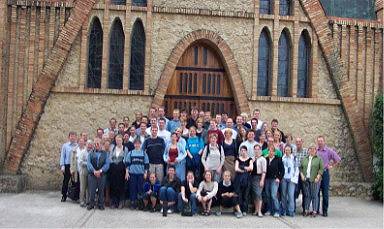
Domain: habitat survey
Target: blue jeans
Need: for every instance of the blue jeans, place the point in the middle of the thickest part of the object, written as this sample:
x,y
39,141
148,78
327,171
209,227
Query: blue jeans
x,y
324,188
192,199
288,197
271,187
167,194
135,186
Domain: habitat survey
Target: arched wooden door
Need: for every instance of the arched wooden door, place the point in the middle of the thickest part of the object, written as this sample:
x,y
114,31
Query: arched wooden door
x,y
200,80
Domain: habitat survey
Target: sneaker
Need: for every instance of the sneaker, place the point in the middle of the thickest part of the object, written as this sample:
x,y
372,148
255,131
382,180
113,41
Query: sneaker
x,y
244,214
169,211
276,215
260,215
162,209
90,207
218,213
238,215
153,210
63,198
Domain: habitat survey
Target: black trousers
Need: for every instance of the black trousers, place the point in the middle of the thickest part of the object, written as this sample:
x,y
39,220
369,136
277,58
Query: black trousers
x,y
67,177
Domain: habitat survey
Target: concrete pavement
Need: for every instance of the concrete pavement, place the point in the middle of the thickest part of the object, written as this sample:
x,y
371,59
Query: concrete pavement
x,y
44,209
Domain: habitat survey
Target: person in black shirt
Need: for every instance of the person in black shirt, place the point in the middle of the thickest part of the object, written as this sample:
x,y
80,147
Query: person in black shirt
x,y
126,143
226,195
243,168
275,173
170,186
188,193
154,147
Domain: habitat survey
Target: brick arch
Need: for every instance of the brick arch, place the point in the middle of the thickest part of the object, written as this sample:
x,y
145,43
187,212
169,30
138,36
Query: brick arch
x,y
226,55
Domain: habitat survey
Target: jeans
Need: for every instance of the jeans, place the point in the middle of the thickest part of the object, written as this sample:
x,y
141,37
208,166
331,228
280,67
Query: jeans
x,y
194,165
136,185
271,187
324,188
168,194
99,184
192,200
67,177
311,190
288,197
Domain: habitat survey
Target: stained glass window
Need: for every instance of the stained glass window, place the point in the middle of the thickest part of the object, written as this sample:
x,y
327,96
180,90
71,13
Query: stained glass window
x,y
116,56
264,63
95,54
136,80
303,65
283,65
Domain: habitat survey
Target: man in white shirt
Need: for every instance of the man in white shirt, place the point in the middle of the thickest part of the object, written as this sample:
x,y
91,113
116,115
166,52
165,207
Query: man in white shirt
x,y
229,125
256,115
163,132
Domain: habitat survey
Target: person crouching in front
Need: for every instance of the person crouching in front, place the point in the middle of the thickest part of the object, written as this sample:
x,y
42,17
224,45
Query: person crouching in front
x,y
97,164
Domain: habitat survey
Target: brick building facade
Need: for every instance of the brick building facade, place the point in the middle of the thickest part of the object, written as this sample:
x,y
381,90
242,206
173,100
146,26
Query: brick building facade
x,y
45,70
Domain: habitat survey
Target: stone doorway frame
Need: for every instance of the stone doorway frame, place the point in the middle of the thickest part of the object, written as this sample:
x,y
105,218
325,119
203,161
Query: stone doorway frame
x,y
213,40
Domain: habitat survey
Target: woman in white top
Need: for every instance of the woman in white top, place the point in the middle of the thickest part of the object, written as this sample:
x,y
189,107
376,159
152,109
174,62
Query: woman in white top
x,y
206,192
213,157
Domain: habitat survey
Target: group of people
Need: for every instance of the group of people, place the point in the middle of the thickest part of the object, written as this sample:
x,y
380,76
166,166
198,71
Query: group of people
x,y
190,163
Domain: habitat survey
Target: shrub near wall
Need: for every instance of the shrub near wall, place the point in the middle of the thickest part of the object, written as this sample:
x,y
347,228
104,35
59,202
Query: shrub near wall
x,y
377,141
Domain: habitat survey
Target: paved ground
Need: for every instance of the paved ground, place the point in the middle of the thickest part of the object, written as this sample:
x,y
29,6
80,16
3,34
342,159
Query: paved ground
x,y
44,209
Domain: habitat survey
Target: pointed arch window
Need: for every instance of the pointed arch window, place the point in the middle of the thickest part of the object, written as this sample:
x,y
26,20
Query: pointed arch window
x,y
137,66
264,63
283,65
303,65
95,54
116,56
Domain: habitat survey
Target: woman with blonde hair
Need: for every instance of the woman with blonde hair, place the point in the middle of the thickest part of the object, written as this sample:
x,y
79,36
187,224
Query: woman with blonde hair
x,y
230,152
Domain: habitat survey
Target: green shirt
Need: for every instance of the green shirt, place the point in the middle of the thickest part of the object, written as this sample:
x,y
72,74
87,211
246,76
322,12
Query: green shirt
x,y
317,167
278,153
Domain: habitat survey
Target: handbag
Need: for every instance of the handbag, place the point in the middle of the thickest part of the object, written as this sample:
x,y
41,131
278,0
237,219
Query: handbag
x,y
187,210
74,191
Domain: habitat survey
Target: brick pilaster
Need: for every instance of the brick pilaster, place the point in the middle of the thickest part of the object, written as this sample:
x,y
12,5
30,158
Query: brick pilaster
x,y
148,46
127,45
106,32
255,57
275,51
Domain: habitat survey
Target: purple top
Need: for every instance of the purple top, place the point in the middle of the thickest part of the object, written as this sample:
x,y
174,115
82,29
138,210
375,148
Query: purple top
x,y
327,154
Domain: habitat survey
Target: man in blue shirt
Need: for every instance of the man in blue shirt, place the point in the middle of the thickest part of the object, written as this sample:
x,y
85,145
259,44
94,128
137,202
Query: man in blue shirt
x,y
65,161
98,165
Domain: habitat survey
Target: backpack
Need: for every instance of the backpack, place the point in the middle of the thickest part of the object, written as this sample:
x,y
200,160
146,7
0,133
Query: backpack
x,y
187,210
208,151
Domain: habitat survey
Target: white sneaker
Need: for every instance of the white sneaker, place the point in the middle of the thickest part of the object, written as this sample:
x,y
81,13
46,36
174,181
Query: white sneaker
x,y
161,211
169,211
276,215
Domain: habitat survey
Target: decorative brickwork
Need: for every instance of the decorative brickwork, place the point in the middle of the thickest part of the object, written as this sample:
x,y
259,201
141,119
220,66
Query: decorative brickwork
x,y
350,82
41,89
214,40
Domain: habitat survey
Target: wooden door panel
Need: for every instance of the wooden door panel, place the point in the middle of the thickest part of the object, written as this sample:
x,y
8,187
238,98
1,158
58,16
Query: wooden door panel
x,y
200,80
